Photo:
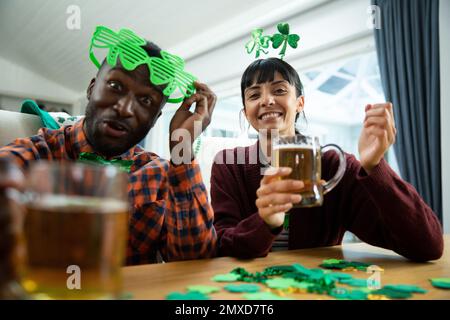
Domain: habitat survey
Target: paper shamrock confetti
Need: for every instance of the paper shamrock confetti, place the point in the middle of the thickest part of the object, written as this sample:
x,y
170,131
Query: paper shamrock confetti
x,y
187,296
203,289
441,283
342,265
245,287
405,288
264,296
228,277
354,282
392,293
340,276
281,283
343,293
126,296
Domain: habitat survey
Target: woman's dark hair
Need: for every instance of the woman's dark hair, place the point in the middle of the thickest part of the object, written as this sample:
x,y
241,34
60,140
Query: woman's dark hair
x,y
263,70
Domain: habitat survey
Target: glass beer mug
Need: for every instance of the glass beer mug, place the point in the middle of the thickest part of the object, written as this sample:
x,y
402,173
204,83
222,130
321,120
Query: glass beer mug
x,y
304,155
75,231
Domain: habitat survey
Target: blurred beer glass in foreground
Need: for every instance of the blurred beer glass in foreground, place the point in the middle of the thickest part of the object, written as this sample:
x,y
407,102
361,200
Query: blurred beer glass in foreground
x,y
75,231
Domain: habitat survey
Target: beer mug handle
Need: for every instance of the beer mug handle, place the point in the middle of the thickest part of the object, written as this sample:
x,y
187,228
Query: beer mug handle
x,y
327,187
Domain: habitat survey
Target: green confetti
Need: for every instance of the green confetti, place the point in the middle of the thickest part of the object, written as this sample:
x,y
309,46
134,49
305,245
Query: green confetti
x,y
331,261
342,264
302,285
203,289
343,293
405,288
187,296
126,296
354,282
339,293
340,275
264,296
281,283
242,288
303,270
278,270
246,276
391,293
228,277
441,283
357,295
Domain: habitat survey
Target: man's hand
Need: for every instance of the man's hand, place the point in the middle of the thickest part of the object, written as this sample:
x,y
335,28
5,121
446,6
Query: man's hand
x,y
377,135
205,101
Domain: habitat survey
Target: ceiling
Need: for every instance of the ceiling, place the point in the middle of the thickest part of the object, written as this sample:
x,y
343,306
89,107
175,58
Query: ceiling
x,y
34,35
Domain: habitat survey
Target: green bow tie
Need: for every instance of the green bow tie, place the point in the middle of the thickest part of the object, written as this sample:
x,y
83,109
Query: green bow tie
x,y
91,158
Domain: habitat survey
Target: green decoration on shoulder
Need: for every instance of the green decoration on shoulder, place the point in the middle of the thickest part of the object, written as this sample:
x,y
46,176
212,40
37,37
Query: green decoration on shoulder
x,y
258,43
91,158
128,47
31,107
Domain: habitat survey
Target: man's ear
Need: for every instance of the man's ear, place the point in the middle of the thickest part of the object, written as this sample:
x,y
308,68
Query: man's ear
x,y
300,104
90,88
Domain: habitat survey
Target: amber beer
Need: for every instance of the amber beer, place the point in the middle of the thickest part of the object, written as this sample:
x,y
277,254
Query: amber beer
x,y
306,166
88,232
304,155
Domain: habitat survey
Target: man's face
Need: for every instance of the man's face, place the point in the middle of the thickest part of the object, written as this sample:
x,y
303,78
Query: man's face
x,y
123,106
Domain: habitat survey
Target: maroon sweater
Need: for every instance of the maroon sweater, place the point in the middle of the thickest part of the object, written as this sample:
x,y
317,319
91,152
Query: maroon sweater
x,y
381,209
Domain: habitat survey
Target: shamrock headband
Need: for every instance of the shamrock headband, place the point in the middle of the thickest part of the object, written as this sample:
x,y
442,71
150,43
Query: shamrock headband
x,y
126,45
259,43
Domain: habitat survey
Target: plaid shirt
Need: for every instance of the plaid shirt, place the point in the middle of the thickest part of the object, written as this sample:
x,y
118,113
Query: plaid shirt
x,y
171,213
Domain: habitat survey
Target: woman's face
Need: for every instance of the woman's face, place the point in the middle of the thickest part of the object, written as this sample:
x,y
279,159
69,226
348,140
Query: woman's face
x,y
273,105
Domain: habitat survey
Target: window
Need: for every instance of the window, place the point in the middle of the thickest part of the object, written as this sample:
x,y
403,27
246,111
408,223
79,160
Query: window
x,y
335,98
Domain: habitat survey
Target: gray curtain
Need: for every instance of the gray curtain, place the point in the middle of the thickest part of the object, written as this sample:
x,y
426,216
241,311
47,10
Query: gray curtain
x,y
408,54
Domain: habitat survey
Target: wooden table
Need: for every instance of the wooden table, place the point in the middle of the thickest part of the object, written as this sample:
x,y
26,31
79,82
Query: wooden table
x,y
155,281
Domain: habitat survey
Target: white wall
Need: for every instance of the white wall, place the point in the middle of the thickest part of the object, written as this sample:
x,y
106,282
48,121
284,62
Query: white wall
x,y
14,104
328,25
17,83
445,109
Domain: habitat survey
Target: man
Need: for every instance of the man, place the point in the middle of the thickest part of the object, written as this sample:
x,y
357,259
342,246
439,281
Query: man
x,y
123,106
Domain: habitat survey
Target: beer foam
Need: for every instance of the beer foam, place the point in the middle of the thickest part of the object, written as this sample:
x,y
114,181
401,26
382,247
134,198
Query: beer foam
x,y
292,146
96,204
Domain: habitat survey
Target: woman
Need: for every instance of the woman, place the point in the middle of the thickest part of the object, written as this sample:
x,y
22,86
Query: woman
x,y
371,200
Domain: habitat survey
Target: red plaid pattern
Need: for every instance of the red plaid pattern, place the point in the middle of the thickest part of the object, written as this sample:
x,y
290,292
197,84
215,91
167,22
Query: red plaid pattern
x,y
171,213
